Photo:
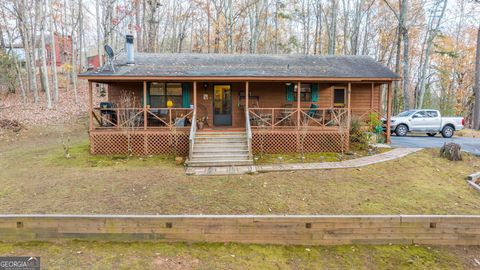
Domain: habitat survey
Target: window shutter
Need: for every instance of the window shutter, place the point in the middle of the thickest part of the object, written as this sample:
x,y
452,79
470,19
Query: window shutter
x,y
186,95
315,92
148,94
289,90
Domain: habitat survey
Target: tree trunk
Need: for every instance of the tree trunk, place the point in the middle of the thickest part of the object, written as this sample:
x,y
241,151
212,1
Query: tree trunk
x,y
476,89
332,33
43,56
99,33
406,53
406,71
432,30
53,51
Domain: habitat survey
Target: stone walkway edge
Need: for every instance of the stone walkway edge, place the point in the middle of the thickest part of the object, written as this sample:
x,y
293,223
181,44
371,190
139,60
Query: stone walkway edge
x,y
353,163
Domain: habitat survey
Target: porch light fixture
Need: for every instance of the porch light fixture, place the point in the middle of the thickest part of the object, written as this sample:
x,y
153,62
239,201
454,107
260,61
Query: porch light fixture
x,y
205,86
288,83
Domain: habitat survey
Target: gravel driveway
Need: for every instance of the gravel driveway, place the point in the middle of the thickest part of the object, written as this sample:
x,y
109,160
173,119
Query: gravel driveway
x,y
471,145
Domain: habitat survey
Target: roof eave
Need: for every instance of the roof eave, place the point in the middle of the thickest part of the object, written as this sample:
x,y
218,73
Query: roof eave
x,y
105,78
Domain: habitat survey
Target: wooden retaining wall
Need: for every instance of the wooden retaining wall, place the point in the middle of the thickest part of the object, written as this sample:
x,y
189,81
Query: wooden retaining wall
x,y
297,230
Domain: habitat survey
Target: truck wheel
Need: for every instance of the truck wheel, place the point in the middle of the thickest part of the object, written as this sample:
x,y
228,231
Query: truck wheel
x,y
447,132
431,134
401,130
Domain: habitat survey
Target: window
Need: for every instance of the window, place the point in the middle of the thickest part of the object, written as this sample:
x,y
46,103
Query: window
x,y
339,97
432,114
305,92
405,113
420,114
160,93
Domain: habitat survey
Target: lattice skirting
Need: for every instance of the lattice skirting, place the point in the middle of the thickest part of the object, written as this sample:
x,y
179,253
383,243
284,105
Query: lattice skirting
x,y
140,143
277,142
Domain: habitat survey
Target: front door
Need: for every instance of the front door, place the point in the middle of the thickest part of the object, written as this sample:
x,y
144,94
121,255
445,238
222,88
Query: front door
x,y
222,105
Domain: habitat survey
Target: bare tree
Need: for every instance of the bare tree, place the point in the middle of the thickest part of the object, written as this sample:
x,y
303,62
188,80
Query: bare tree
x,y
401,16
476,89
53,52
433,26
43,56
332,27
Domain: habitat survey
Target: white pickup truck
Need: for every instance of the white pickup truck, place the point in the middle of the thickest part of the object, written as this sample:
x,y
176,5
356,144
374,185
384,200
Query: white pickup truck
x,y
425,121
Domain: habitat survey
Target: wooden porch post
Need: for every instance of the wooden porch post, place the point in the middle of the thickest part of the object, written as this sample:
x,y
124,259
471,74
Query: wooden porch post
x,y
371,97
298,104
90,105
349,109
246,96
389,111
145,124
194,96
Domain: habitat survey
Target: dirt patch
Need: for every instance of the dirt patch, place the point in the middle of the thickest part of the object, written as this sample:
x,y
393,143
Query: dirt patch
x,y
175,263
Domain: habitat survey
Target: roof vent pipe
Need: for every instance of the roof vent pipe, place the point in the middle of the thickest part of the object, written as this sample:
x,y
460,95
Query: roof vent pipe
x,y
129,49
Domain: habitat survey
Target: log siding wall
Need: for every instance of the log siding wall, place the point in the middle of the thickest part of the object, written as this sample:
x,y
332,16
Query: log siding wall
x,y
270,95
254,229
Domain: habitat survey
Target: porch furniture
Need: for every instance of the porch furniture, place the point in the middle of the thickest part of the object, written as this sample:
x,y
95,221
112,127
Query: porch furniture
x,y
108,114
285,117
259,117
202,116
158,117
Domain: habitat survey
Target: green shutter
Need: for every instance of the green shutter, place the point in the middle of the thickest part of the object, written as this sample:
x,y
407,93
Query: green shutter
x,y
289,90
148,94
186,95
315,92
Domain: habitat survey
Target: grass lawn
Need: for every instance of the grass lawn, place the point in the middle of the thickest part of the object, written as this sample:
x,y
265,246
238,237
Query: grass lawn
x,y
313,157
97,255
36,178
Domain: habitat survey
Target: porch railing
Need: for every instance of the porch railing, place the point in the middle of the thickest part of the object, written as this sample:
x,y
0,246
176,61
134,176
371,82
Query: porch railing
x,y
136,118
288,118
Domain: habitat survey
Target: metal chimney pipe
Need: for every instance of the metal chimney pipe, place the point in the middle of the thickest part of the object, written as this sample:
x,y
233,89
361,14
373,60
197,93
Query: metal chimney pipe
x,y
129,49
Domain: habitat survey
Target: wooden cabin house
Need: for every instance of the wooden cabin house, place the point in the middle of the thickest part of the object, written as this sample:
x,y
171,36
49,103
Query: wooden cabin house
x,y
221,109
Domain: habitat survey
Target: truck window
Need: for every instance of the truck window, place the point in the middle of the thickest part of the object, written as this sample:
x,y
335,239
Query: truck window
x,y
432,113
420,114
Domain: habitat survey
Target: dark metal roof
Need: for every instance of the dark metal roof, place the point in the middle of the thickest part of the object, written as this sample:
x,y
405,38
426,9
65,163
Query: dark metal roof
x,y
247,65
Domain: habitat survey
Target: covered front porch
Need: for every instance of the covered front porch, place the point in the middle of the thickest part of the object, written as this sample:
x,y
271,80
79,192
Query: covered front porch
x,y
158,116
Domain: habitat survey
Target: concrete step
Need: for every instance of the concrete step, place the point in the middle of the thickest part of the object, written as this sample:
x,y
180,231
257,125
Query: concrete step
x,y
220,144
212,149
220,140
220,151
212,135
220,158
219,133
219,163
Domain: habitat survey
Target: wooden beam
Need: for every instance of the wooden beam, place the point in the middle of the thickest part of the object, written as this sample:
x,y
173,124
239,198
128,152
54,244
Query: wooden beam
x,y
195,96
90,105
298,104
349,109
389,111
247,93
371,96
145,124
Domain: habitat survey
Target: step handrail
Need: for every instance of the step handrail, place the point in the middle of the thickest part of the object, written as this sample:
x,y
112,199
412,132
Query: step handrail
x,y
249,133
193,131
